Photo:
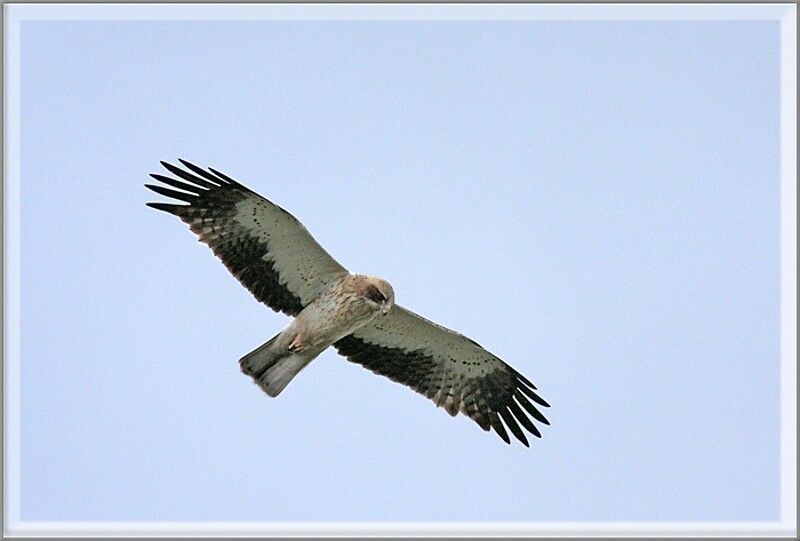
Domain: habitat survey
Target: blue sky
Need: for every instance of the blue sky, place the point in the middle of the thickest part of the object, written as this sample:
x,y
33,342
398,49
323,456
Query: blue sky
x,y
595,202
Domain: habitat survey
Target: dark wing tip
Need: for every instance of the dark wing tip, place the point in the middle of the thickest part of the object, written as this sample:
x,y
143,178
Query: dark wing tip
x,y
225,178
541,401
530,408
494,419
524,380
185,186
513,425
533,396
523,419
200,177
189,165
166,192
167,207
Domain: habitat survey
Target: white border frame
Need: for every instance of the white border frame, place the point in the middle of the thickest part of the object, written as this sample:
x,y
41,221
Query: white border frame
x,y
14,14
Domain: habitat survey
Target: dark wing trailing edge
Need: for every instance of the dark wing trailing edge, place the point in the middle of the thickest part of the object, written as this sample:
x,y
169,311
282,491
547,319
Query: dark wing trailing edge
x,y
267,249
450,369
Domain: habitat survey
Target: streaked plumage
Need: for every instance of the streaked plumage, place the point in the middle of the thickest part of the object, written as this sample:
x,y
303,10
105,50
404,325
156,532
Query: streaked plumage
x,y
273,255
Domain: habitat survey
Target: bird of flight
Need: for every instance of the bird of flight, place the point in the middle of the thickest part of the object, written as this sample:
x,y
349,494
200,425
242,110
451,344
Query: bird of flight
x,y
273,255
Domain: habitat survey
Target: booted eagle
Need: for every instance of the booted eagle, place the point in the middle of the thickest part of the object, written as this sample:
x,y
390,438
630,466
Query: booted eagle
x,y
270,252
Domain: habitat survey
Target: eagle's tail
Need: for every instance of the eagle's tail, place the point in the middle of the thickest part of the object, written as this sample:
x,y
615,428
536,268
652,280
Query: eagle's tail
x,y
272,366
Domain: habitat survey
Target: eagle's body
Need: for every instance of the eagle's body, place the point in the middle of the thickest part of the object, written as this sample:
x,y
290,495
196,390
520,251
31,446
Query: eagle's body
x,y
342,308
270,252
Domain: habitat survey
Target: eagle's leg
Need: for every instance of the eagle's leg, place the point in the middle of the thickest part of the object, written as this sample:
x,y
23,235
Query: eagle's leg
x,y
297,344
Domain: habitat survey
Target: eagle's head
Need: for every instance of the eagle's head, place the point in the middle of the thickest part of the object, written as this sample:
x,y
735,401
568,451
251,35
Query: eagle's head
x,y
379,292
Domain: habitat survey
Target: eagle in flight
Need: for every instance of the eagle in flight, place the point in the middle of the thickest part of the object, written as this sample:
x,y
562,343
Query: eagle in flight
x,y
273,255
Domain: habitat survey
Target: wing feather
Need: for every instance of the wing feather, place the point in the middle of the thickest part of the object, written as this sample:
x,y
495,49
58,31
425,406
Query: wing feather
x,y
494,420
180,196
523,419
185,186
199,171
533,396
448,368
530,408
267,249
513,425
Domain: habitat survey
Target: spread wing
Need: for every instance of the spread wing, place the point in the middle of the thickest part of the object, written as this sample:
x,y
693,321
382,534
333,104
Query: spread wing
x,y
449,368
267,249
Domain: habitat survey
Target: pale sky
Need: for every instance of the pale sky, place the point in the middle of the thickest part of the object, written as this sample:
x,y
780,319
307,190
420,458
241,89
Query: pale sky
x,y
594,202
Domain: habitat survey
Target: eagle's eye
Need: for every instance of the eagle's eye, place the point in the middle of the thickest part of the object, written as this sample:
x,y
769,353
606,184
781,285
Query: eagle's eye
x,y
374,294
